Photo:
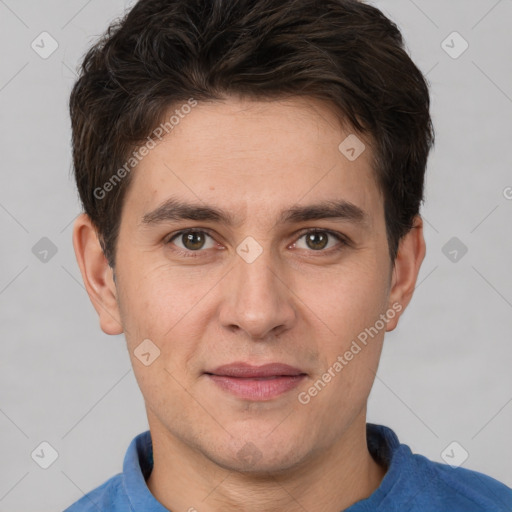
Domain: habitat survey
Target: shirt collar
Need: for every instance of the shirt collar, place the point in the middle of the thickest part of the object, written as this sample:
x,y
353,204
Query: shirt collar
x,y
137,466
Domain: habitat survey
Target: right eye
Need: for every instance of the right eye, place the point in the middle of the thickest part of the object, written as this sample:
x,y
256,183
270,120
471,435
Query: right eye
x,y
191,240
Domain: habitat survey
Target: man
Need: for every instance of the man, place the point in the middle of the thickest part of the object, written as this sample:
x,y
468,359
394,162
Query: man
x,y
251,173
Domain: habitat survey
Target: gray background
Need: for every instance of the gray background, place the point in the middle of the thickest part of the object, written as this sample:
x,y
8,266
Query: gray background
x,y
445,372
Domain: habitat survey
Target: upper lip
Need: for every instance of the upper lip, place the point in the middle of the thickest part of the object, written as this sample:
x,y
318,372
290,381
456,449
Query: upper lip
x,y
245,370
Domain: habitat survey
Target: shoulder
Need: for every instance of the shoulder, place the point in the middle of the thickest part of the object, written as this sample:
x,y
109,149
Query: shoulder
x,y
109,496
415,483
442,487
125,491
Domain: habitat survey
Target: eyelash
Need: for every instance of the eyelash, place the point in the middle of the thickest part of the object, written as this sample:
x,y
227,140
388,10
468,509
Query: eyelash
x,y
194,254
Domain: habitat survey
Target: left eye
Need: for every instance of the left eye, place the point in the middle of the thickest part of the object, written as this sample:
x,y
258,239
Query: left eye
x,y
318,240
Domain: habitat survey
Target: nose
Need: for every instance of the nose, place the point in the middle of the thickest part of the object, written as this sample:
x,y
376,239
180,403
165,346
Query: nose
x,y
257,299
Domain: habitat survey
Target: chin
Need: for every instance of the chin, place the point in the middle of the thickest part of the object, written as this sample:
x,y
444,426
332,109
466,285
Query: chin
x,y
260,459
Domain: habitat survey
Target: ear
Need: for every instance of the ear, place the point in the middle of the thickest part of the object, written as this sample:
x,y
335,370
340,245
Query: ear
x,y
411,252
97,275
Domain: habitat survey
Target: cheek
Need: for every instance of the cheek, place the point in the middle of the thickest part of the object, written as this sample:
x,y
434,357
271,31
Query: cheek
x,y
157,309
347,306
346,300
169,308
155,301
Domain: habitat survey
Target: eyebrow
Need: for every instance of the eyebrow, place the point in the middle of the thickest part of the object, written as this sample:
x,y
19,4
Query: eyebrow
x,y
175,210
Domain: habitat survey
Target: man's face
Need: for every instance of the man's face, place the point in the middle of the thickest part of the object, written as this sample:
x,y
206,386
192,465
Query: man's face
x,y
257,290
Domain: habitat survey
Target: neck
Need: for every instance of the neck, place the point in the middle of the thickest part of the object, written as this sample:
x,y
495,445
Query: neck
x,y
184,479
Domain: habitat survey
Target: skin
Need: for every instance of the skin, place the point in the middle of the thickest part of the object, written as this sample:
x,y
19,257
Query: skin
x,y
296,303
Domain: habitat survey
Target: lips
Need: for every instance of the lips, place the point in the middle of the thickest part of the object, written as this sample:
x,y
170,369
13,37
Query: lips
x,y
256,383
247,371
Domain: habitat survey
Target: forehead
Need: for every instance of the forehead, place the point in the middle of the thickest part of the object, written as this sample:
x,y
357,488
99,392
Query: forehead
x,y
256,157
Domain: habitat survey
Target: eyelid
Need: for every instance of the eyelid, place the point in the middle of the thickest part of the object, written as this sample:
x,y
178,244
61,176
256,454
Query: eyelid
x,y
343,241
172,236
339,236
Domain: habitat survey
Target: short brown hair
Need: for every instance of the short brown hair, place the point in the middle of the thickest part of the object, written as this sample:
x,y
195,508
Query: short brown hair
x,y
163,52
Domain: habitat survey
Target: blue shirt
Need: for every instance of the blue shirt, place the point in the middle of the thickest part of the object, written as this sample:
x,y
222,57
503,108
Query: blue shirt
x,y
412,483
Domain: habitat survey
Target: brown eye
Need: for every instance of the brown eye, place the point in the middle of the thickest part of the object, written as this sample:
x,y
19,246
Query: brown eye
x,y
192,240
318,240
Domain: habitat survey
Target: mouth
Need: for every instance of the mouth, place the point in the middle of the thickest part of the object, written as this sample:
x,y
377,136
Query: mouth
x,y
256,383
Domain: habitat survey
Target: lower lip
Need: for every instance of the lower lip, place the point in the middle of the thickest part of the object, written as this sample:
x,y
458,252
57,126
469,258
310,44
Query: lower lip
x,y
257,389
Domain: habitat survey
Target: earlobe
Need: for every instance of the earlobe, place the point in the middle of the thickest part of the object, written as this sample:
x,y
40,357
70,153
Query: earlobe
x,y
96,274
411,252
